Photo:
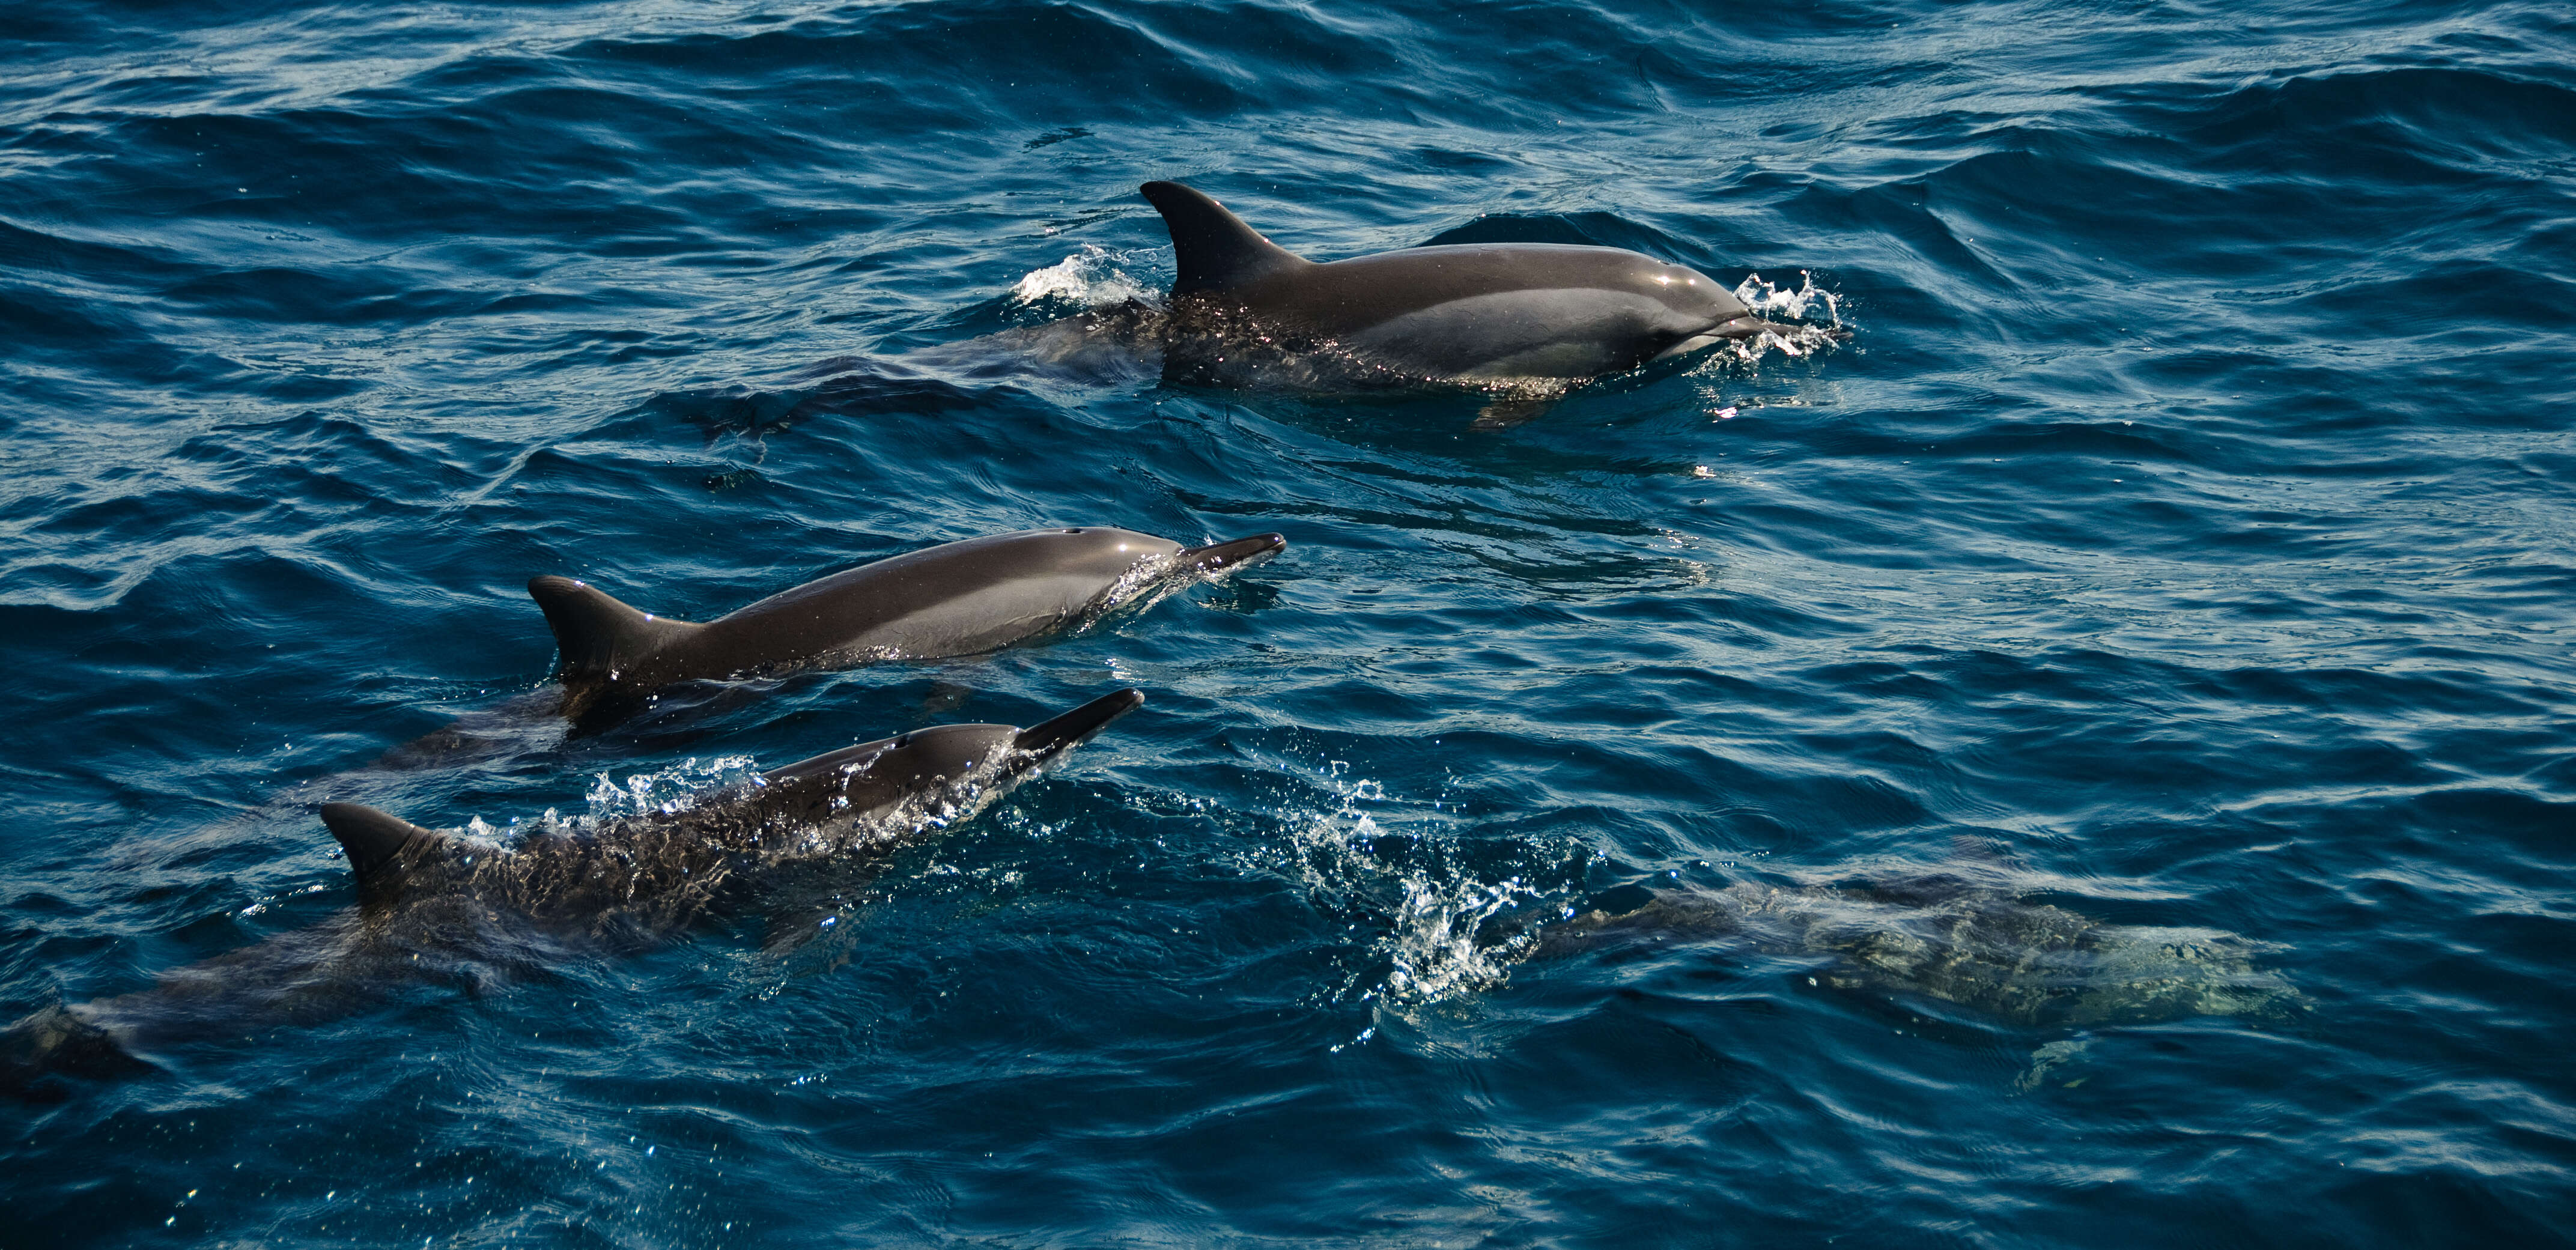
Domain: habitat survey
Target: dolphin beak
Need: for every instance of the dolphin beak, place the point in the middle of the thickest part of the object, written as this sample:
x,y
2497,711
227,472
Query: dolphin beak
x,y
1745,327
1064,733
1225,557
1695,343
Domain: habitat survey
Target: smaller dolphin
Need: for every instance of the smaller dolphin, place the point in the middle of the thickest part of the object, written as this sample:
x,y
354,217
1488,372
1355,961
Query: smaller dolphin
x,y
960,598
440,907
1537,316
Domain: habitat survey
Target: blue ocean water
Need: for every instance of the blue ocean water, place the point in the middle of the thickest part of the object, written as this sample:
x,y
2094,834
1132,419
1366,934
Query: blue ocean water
x,y
2181,538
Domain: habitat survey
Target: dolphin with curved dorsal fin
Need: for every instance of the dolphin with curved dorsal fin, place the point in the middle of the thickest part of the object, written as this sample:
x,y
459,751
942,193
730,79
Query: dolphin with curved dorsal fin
x,y
656,871
960,598
1479,313
442,907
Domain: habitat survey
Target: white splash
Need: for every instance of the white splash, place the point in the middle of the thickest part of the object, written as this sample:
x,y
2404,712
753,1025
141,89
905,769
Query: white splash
x,y
1766,299
1428,909
1435,948
667,790
1090,278
1769,301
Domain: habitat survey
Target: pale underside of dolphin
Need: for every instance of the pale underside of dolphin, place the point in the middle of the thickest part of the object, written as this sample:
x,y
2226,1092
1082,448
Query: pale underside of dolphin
x,y
955,599
1535,318
446,909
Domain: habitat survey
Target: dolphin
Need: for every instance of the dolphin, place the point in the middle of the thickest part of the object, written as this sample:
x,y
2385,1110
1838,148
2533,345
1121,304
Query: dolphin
x,y
1537,317
1523,323
960,598
447,908
1942,936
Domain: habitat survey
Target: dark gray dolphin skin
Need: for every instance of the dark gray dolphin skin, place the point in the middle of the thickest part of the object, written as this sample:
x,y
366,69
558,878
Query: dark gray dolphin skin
x,y
960,598
1944,936
445,909
1476,313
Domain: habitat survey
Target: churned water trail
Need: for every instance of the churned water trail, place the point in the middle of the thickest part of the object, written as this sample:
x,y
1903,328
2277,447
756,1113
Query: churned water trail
x,y
2070,747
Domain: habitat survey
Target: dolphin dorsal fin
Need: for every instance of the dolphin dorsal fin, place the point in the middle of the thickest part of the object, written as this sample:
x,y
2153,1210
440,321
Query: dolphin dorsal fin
x,y
373,839
1212,247
597,634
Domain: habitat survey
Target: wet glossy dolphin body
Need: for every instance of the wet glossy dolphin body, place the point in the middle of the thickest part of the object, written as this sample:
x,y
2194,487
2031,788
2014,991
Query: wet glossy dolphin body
x,y
960,598
1243,306
445,909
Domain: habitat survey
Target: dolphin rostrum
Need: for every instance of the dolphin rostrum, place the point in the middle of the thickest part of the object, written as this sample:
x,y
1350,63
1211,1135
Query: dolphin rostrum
x,y
1539,317
959,598
448,908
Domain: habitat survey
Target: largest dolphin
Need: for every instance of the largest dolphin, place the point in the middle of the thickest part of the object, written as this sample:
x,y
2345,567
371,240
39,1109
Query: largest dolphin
x,y
1541,315
446,908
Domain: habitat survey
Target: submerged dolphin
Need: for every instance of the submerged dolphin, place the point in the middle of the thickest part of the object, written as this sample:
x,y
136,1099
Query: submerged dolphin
x,y
1540,315
960,598
447,908
1945,937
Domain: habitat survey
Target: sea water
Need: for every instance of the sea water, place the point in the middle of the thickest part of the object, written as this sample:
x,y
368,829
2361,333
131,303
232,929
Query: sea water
x,y
2181,539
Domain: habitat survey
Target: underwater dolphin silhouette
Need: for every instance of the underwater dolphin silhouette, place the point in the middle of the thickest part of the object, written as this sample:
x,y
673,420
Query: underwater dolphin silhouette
x,y
441,908
1943,936
1540,315
960,598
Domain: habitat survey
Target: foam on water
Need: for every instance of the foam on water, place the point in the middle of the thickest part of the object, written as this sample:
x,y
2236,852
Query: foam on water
x,y
1422,907
664,791
1767,300
1090,278
670,789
